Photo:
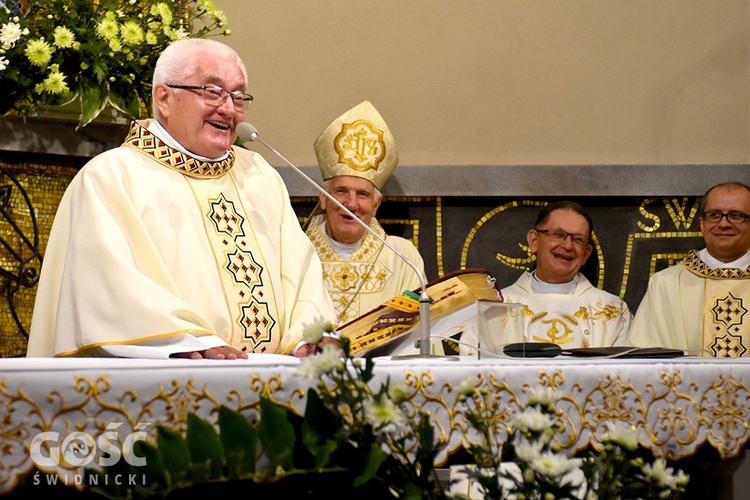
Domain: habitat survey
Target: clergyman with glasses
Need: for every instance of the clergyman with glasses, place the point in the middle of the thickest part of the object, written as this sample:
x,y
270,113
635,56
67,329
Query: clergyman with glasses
x,y
177,243
560,304
702,304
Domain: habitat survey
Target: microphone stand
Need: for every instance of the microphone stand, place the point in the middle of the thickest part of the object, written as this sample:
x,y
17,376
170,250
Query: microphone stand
x,y
247,131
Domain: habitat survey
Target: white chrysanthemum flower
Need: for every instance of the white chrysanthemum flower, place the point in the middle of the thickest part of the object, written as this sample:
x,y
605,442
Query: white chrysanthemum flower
x,y
682,479
108,28
384,416
206,5
661,475
132,33
535,420
528,451
221,18
162,10
552,464
3,63
313,333
63,37
397,392
621,434
180,34
115,45
10,33
544,396
39,52
326,361
467,388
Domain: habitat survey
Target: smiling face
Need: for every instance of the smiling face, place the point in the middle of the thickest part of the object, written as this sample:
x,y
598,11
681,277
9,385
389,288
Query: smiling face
x,y
359,196
727,241
560,261
203,129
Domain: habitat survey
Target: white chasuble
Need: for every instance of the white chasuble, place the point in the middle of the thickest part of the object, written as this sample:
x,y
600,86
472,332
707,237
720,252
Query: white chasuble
x,y
692,307
151,245
589,317
372,275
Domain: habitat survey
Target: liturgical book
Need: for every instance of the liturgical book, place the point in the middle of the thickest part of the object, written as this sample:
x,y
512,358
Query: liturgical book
x,y
395,325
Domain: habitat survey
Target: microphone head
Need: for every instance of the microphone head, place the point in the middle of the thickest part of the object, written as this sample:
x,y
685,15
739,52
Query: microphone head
x,y
247,131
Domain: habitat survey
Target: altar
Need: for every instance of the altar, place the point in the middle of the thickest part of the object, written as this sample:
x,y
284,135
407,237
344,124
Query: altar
x,y
678,405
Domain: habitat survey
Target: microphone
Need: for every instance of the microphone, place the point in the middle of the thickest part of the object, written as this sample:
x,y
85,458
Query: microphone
x,y
248,132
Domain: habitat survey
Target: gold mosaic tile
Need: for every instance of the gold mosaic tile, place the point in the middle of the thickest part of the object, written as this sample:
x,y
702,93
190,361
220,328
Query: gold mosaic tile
x,y
44,185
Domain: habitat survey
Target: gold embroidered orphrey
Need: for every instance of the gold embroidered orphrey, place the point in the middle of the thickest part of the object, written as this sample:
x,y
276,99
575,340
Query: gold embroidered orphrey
x,y
249,296
346,279
726,322
360,145
139,137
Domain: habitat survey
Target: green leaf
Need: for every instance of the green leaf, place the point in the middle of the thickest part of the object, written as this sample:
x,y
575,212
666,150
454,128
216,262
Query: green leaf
x,y
125,100
204,445
368,372
154,468
240,442
174,452
375,459
412,492
93,99
276,434
318,429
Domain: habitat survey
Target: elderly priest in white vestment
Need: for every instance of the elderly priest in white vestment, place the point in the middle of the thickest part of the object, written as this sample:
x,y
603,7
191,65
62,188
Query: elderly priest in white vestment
x,y
356,155
177,243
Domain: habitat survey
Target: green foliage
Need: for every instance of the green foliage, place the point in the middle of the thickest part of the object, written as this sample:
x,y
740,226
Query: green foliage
x,y
99,52
239,440
276,435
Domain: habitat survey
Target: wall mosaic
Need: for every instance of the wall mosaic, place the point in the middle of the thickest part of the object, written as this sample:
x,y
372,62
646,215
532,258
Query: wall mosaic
x,y
633,237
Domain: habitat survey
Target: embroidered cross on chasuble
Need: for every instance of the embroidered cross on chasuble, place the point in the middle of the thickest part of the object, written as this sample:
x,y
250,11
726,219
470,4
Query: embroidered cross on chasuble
x,y
726,320
239,259
348,280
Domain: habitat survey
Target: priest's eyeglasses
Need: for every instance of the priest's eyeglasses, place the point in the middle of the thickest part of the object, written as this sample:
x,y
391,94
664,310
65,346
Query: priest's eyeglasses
x,y
215,96
733,217
558,236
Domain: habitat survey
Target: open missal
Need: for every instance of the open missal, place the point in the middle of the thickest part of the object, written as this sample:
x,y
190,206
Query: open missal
x,y
394,325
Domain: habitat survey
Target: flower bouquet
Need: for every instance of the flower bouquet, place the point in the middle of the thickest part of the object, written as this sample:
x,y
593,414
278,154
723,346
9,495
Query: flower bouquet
x,y
530,465
97,52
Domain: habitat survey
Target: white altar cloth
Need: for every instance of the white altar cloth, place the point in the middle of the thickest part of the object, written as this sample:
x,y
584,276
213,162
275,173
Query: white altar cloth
x,y
677,404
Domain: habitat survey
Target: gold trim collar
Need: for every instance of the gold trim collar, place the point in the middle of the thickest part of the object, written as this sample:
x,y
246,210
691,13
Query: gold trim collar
x,y
142,139
695,265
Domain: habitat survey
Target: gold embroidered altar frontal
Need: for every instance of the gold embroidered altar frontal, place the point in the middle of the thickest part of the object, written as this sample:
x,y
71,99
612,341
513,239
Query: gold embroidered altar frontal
x,y
677,405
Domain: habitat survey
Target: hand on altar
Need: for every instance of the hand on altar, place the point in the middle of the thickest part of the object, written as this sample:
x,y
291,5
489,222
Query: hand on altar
x,y
219,352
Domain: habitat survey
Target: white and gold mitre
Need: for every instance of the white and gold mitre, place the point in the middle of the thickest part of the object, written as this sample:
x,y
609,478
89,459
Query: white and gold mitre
x,y
357,143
